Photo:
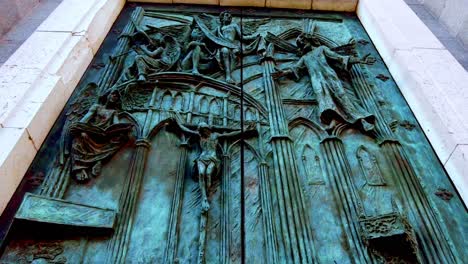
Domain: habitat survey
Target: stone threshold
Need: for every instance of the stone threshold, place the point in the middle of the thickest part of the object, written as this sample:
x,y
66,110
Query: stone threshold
x,y
37,80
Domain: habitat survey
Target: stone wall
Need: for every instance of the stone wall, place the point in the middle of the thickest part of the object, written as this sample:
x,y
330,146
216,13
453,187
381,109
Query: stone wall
x,y
11,11
453,14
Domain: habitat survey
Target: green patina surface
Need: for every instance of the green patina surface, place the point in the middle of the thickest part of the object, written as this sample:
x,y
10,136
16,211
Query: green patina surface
x,y
235,136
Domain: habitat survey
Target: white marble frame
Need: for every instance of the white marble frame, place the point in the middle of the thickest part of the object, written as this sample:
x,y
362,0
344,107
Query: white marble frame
x,y
38,79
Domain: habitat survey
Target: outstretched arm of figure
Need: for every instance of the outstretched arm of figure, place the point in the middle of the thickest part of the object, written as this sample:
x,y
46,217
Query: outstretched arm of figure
x,y
178,121
151,53
291,71
236,133
187,130
86,118
230,134
245,37
347,61
367,59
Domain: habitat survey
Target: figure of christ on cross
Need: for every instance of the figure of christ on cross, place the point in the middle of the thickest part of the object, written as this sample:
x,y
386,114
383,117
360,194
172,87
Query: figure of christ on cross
x,y
208,162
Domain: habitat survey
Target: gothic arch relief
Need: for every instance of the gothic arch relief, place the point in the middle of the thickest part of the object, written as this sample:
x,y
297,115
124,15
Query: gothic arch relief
x,y
369,166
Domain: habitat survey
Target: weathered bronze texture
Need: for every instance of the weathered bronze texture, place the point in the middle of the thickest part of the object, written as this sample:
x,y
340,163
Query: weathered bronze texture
x,y
211,135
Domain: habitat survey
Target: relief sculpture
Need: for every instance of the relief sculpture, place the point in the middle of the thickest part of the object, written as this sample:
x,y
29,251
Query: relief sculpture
x,y
96,137
213,135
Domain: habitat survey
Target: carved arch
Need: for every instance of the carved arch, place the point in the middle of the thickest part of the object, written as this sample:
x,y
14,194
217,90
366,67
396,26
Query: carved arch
x,y
214,107
203,105
133,121
179,102
317,129
247,145
167,100
369,166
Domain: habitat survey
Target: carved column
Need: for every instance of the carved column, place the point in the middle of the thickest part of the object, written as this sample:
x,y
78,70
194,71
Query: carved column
x,y
267,214
345,194
425,222
369,100
118,246
434,243
225,208
113,69
170,253
56,183
295,236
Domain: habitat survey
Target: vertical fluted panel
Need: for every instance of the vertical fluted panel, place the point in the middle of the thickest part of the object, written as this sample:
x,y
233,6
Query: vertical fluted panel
x,y
345,194
435,247
294,239
369,100
112,69
225,215
118,246
170,253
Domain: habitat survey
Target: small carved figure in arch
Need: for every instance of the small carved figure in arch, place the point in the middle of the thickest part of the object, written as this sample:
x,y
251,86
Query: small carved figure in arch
x,y
370,167
215,109
311,165
249,115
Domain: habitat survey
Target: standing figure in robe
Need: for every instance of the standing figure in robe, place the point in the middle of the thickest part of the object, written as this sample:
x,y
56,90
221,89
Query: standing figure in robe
x,y
335,105
97,137
227,37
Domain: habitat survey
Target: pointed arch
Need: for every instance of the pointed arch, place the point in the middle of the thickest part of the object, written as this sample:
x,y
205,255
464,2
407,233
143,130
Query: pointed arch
x,y
248,146
249,115
317,129
166,103
369,166
203,105
179,101
132,120
215,108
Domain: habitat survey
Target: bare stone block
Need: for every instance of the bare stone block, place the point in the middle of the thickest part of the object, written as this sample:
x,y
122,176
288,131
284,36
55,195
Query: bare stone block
x,y
199,2
332,5
256,3
16,154
457,167
297,4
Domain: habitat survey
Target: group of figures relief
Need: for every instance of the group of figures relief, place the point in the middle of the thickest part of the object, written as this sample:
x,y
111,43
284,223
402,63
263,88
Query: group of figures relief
x,y
201,124
206,47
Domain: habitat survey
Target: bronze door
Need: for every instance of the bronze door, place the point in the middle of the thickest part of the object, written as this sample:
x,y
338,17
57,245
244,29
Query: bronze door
x,y
207,135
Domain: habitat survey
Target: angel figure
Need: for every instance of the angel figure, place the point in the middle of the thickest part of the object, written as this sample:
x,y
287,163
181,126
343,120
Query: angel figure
x,y
227,37
96,137
198,55
158,54
208,163
334,103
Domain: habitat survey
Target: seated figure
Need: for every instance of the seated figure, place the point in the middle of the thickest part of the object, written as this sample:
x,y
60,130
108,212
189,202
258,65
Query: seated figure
x,y
97,137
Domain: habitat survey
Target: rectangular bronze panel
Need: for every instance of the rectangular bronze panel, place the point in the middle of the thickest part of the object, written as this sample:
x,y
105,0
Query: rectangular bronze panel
x,y
42,209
